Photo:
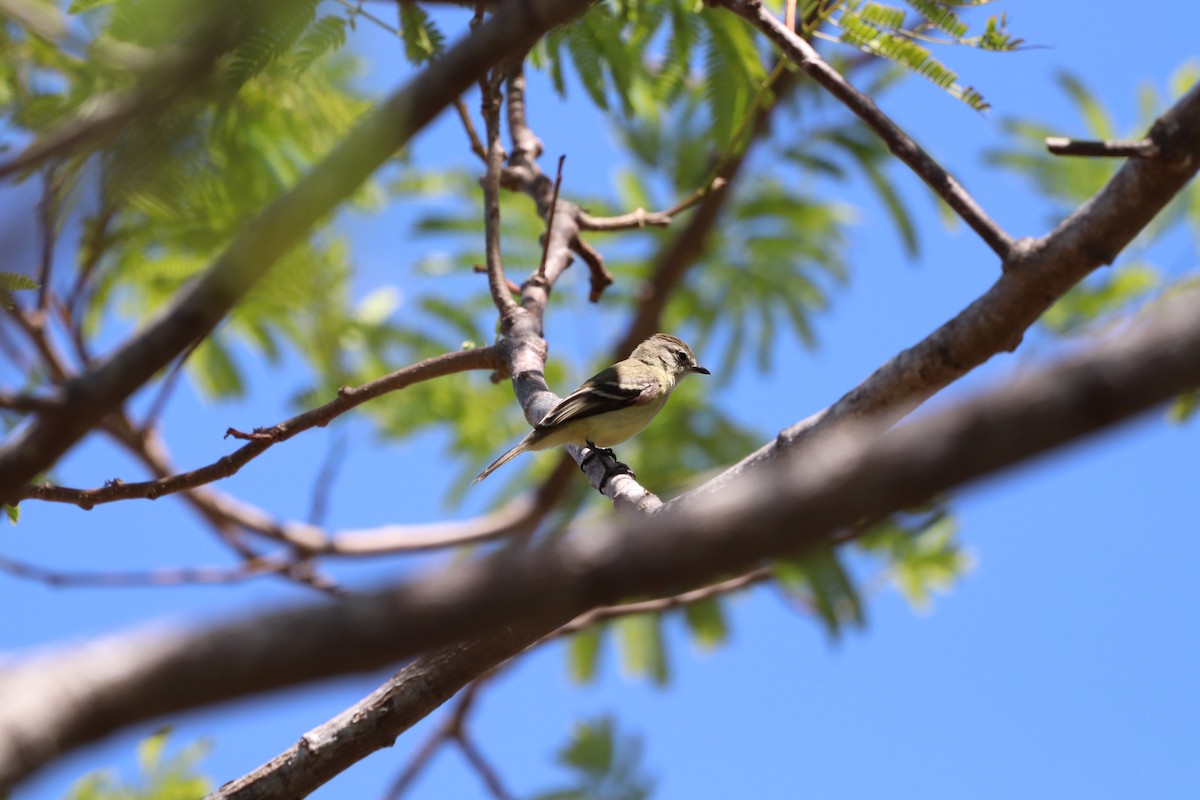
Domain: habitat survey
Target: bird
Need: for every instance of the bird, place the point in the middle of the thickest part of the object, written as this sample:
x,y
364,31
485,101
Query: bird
x,y
614,404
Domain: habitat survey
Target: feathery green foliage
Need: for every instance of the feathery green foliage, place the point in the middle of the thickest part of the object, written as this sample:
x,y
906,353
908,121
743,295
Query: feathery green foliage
x,y
14,282
422,39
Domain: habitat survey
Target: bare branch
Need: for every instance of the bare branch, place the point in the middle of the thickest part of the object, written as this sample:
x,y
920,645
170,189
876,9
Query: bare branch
x,y
448,730
1107,148
497,282
487,773
27,402
263,438
550,216
661,604
48,222
900,143
469,127
648,219
171,576
374,722
516,25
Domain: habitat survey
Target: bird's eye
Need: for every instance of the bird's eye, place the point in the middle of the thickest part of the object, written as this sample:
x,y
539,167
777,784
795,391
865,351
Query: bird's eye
x,y
682,358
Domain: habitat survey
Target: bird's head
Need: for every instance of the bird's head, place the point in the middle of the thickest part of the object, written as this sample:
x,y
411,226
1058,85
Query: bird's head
x,y
670,351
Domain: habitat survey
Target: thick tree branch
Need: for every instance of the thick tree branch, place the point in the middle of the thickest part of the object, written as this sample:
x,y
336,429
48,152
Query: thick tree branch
x,y
378,719
1036,274
52,703
900,143
513,29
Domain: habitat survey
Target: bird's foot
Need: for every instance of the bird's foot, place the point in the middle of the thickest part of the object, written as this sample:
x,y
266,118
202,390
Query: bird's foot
x,y
612,467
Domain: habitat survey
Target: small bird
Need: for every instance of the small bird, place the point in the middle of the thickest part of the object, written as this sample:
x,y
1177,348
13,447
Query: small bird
x,y
612,405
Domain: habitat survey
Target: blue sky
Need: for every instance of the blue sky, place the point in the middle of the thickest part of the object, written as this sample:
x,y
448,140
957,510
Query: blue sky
x,y
1062,666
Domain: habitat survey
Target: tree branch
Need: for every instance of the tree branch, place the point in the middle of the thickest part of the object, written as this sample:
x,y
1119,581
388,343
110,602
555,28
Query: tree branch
x,y
263,438
900,143
1037,273
53,703
374,722
497,283
1107,148
175,576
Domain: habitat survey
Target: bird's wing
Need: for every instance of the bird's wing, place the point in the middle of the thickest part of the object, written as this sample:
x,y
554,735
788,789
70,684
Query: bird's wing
x,y
600,394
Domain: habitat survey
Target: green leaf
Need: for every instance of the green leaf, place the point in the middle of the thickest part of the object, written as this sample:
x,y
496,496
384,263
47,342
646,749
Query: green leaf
x,y
642,652
161,778
583,654
215,371
274,29
706,621
941,17
150,750
821,583
1095,116
921,557
1183,409
606,765
13,513
591,750
733,74
326,35
589,65
13,282
422,39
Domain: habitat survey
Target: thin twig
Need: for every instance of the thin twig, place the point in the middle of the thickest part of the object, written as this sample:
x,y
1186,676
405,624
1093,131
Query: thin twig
x,y
661,604
600,277
263,438
487,773
451,729
1106,148
465,115
319,506
541,270
641,218
497,282
168,384
48,222
171,576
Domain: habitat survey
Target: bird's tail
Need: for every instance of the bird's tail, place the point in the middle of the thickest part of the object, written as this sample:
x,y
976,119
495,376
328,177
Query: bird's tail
x,y
502,460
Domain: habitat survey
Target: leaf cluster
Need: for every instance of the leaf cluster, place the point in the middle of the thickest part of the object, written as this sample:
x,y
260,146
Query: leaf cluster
x,y
158,200
605,763
162,777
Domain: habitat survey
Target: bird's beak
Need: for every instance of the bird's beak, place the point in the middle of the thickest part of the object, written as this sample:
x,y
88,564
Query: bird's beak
x,y
701,370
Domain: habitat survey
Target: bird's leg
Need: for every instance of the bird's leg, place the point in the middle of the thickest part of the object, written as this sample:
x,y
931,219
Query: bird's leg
x,y
612,467
595,450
